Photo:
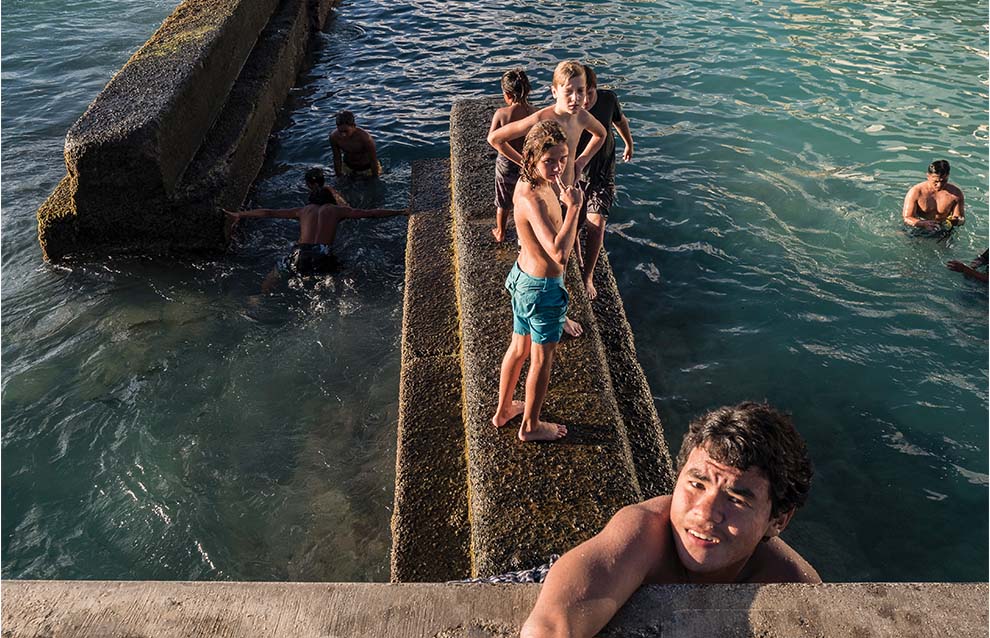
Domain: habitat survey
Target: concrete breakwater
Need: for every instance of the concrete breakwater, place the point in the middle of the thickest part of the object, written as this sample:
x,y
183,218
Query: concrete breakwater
x,y
471,499
179,131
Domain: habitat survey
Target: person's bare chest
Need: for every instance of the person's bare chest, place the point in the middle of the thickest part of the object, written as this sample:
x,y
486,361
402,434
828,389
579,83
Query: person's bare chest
x,y
937,202
351,144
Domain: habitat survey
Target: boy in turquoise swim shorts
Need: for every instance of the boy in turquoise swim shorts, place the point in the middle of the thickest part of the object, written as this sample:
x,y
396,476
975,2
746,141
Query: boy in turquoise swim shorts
x,y
536,281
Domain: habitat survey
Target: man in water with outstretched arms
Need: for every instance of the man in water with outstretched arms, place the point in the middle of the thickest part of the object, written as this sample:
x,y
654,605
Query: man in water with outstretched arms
x,y
743,472
934,204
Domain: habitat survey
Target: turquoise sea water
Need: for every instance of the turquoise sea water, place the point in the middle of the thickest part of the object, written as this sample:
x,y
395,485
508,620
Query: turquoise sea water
x,y
165,421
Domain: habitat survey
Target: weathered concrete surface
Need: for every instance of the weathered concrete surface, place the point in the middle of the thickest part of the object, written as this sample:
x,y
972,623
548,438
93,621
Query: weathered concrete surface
x,y
531,500
100,609
179,130
430,530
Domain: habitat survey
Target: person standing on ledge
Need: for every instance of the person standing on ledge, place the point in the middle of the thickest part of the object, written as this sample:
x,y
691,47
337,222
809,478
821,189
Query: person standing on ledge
x,y
934,204
515,91
536,281
744,471
354,153
598,181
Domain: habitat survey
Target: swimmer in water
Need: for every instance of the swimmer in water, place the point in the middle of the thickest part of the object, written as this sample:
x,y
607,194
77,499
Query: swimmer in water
x,y
970,271
743,473
934,204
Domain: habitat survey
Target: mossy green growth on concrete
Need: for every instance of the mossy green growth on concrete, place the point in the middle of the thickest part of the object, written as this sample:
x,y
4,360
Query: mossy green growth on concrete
x,y
163,145
528,500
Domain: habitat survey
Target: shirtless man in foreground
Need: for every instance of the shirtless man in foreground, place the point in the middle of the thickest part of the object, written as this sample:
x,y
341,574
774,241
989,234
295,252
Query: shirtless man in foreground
x,y
934,204
744,471
536,281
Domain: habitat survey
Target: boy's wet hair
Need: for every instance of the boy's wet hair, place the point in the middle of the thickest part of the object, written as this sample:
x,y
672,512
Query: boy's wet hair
x,y
515,84
540,139
939,167
315,176
566,70
345,118
755,435
590,79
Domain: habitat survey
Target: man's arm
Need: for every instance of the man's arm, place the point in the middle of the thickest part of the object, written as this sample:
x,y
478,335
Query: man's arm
x,y
364,213
281,213
593,126
500,137
369,144
557,245
337,157
622,126
958,216
970,272
588,585
907,212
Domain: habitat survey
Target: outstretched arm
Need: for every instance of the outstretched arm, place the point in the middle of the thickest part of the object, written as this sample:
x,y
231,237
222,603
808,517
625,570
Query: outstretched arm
x,y
622,126
501,136
597,131
588,585
970,272
282,213
907,212
363,213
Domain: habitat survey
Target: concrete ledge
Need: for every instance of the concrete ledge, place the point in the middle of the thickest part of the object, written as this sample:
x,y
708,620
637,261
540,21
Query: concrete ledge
x,y
430,530
99,609
179,131
529,501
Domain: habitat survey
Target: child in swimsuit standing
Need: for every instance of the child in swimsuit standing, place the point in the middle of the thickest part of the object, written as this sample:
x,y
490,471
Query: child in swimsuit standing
x,y
515,91
536,281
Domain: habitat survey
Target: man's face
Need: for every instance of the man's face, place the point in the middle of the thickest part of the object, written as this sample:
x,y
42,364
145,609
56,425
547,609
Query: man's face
x,y
312,186
937,181
570,95
345,130
718,515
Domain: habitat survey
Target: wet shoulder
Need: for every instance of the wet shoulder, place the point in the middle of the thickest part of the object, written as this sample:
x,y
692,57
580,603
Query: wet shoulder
x,y
777,562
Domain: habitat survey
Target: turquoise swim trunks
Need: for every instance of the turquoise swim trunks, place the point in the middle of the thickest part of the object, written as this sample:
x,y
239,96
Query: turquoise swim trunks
x,y
539,305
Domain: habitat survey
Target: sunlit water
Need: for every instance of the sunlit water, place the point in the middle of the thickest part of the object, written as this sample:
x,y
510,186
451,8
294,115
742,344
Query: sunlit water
x,y
166,420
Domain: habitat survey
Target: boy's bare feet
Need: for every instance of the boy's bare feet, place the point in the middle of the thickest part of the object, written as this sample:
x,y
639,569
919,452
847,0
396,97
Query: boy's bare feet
x,y
572,327
542,432
589,288
500,419
499,235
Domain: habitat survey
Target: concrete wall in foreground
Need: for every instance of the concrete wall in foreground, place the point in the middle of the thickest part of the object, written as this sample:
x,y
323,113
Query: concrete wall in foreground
x,y
79,609
179,131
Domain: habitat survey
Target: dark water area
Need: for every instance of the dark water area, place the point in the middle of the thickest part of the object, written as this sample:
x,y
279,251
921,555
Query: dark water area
x,y
166,420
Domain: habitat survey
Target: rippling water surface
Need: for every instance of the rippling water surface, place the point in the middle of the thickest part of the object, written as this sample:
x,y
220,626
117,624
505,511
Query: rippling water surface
x,y
165,420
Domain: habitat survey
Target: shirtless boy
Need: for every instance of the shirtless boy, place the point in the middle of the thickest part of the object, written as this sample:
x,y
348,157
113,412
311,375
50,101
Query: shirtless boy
x,y
312,252
515,91
568,89
744,471
934,204
599,181
536,281
353,149
319,192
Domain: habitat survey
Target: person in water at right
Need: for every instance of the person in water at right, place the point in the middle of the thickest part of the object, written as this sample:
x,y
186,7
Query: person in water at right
x,y
598,181
934,204
536,281
354,152
970,271
743,472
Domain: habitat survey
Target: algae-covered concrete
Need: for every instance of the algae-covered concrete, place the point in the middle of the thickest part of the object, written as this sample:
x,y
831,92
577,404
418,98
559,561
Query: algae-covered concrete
x,y
430,531
528,501
179,131
95,609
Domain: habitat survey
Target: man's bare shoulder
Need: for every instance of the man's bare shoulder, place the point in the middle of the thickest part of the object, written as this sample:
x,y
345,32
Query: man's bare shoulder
x,y
777,562
954,190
